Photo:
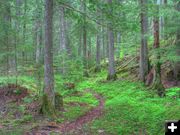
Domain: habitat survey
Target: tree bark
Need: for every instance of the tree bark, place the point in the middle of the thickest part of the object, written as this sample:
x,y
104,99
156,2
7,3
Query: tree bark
x,y
7,22
157,82
103,44
118,49
177,64
111,67
98,59
48,107
63,39
24,30
98,47
85,64
38,32
144,48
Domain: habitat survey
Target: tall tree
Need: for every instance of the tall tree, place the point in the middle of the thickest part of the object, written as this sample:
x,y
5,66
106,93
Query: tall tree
x,y
118,51
24,29
48,107
98,46
177,64
85,62
144,48
111,67
7,23
38,31
63,38
157,82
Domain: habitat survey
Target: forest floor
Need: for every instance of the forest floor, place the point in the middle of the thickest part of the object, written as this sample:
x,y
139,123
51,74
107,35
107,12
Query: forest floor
x,y
94,107
72,127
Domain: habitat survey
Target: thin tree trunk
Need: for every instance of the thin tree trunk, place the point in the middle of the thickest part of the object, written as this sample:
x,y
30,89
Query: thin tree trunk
x,y
103,44
161,21
38,33
17,26
118,50
98,59
63,39
107,45
7,23
80,45
85,64
24,31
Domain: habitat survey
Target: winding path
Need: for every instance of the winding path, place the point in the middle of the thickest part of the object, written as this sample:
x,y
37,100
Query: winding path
x,y
75,125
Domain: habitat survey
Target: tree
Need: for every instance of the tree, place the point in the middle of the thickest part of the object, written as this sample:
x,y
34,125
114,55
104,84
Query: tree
x,y
177,64
63,38
156,70
24,29
98,47
7,23
111,68
144,48
48,107
85,63
38,31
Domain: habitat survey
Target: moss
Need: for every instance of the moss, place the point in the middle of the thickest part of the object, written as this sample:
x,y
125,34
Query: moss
x,y
111,77
48,109
58,101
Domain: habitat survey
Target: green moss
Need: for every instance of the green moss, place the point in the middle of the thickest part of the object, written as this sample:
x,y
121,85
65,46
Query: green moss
x,y
48,109
58,101
111,77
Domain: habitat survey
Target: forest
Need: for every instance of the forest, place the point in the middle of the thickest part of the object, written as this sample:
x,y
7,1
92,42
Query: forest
x,y
89,67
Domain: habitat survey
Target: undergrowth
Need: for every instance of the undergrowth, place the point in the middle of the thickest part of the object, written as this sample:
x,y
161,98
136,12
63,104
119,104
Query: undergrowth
x,y
130,107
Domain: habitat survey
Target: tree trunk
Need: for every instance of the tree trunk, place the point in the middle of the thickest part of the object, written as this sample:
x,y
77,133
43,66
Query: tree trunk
x,y
118,49
144,48
161,21
98,68
177,64
157,82
7,19
48,107
107,41
112,72
80,45
17,27
38,32
63,40
103,44
85,64
24,30
165,21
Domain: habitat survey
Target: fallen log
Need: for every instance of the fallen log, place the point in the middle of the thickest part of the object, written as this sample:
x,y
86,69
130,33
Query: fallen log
x,y
126,68
123,66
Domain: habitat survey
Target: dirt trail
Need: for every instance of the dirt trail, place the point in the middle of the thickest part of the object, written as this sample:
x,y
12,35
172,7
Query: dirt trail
x,y
76,125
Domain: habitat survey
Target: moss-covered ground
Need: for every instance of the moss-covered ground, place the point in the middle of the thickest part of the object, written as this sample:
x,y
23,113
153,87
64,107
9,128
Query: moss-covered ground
x,y
130,107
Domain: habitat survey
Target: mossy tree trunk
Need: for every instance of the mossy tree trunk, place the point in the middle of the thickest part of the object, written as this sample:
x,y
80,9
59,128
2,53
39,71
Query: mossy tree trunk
x,y
48,105
157,82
